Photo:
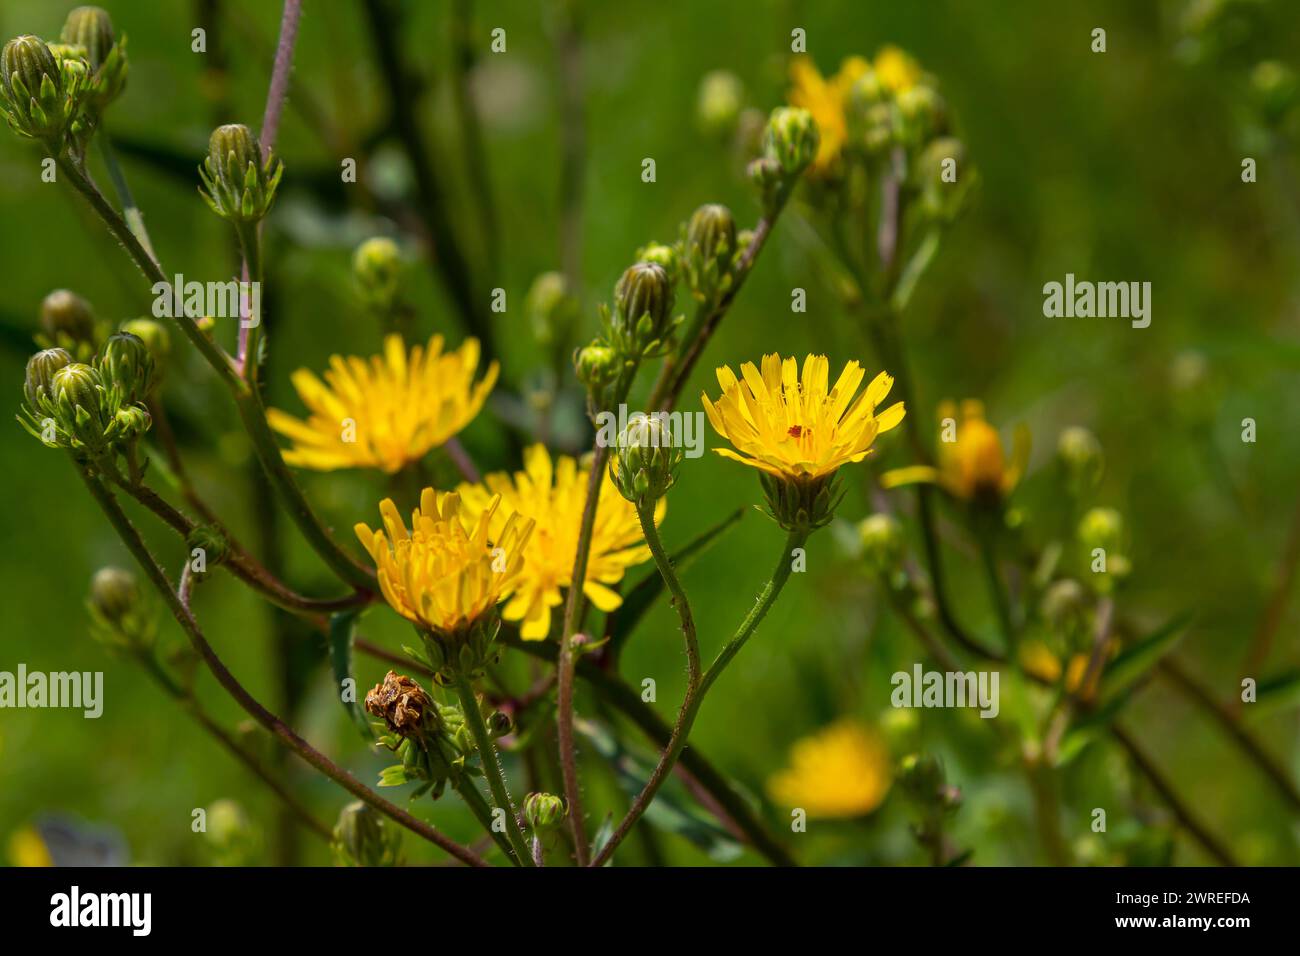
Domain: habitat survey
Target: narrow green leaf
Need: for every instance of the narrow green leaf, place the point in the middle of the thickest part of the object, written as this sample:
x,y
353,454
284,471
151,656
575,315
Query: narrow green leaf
x,y
1279,692
1136,660
343,626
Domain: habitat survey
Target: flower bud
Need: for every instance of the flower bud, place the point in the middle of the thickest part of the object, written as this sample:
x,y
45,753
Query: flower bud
x,y
709,248
76,391
40,375
923,113
544,811
67,320
500,724
645,465
377,268
90,28
211,541
662,255
1080,454
942,201
36,100
364,837
127,363
156,339
403,705
231,833
1064,607
1275,87
717,107
240,185
550,308
119,613
129,423
792,138
597,365
643,309
922,778
882,542
1101,534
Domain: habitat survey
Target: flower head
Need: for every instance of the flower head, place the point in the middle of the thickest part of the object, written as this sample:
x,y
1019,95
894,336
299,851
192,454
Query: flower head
x,y
825,98
387,412
445,573
795,427
841,771
895,69
972,464
554,494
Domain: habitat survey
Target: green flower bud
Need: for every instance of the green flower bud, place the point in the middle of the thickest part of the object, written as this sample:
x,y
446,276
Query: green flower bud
x,y
156,339
500,724
40,376
129,423
127,363
77,394
792,139
922,778
210,540
943,200
231,834
768,178
120,614
881,128
1080,454
37,101
709,249
882,542
67,320
551,308
1275,87
1064,606
1102,529
238,184
645,465
717,107
597,365
923,112
377,268
662,255
544,811
90,28
364,837
643,310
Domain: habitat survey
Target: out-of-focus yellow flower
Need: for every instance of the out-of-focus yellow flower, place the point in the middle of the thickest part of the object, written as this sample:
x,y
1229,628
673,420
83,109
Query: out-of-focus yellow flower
x,y
554,496
841,771
1039,661
26,848
448,571
973,466
386,412
796,428
896,70
825,98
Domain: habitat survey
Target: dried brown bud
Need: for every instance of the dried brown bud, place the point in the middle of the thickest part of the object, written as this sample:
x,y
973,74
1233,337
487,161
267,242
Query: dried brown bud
x,y
402,703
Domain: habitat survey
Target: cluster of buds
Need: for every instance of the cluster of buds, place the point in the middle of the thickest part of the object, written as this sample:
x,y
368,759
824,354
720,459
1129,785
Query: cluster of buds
x,y
365,837
646,462
88,35
238,183
120,614
710,252
790,144
431,739
93,410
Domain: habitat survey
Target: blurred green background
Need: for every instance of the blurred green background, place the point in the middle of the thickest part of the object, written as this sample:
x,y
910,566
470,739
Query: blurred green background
x,y
1116,166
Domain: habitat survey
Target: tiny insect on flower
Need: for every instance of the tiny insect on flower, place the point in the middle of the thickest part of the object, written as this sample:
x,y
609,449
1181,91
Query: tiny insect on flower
x,y
400,406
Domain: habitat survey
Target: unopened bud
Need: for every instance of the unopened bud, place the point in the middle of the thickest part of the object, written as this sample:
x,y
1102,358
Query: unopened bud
x,y
127,363
365,837
40,376
377,268
792,138
645,464
544,811
709,247
67,320
882,542
717,107
643,309
1080,454
239,185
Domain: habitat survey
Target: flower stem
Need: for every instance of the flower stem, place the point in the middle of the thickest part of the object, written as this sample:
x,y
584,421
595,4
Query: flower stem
x,y
997,590
496,776
465,788
697,685
130,211
278,728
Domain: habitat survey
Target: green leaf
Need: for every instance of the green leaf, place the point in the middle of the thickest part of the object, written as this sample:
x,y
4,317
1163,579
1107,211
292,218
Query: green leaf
x,y
1136,660
671,810
622,622
343,627
1279,692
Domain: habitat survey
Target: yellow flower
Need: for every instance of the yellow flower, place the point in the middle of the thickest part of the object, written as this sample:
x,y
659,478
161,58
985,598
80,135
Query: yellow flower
x,y
446,573
896,70
825,99
1038,660
973,465
27,848
841,771
798,429
554,497
385,413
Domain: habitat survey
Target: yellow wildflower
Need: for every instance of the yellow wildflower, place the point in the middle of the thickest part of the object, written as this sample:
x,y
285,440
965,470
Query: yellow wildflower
x,y
1039,661
973,465
793,428
825,99
896,70
841,771
554,496
445,573
27,848
387,412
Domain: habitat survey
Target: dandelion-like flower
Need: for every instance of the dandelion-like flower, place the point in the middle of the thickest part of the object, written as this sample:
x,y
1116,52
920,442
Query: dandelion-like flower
x,y
446,573
387,412
895,69
972,464
825,98
554,494
797,431
842,771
